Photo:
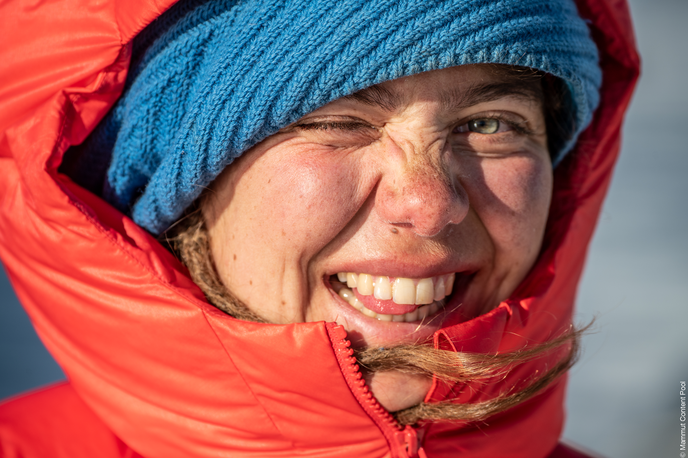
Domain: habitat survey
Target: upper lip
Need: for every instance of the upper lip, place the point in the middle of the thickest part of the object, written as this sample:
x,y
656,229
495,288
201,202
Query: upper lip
x,y
405,268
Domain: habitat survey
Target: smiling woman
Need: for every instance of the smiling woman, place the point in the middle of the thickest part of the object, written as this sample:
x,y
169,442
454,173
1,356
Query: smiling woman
x,y
432,207
384,205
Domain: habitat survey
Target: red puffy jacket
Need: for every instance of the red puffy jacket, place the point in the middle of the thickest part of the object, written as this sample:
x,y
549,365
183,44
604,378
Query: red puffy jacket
x,y
154,370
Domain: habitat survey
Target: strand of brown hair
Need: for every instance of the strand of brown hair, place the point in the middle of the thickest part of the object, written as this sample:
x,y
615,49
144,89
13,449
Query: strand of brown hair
x,y
189,241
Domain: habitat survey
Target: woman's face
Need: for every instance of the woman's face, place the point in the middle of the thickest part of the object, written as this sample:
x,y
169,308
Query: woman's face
x,y
409,185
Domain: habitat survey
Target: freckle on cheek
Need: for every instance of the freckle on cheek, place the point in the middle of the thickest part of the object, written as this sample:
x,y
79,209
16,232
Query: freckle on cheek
x,y
234,257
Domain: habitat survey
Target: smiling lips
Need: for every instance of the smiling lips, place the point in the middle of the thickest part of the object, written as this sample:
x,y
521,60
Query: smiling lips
x,y
394,299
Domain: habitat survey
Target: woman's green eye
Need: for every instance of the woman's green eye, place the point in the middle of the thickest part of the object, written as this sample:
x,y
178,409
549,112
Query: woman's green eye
x,y
484,126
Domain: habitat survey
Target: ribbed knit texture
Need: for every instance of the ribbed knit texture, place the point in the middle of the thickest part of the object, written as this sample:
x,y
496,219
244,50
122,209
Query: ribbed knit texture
x,y
211,79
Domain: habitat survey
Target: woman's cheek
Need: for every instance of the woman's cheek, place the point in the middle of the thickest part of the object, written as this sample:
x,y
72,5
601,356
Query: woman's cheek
x,y
312,198
511,197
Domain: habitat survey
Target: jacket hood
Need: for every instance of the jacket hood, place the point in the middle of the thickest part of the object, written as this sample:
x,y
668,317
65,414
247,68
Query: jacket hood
x,y
172,376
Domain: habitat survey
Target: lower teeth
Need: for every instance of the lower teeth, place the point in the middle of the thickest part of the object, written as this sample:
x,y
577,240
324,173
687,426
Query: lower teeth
x,y
419,314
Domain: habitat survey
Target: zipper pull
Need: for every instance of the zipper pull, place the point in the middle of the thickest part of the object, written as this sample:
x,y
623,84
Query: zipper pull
x,y
409,437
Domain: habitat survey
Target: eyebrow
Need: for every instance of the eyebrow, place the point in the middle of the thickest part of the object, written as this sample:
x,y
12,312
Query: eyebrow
x,y
377,96
529,91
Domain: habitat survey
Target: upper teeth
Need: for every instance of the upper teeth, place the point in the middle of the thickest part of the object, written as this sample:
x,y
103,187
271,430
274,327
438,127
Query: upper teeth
x,y
401,290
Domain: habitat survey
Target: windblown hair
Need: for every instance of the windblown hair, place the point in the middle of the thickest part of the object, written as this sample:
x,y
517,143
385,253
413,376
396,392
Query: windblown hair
x,y
189,240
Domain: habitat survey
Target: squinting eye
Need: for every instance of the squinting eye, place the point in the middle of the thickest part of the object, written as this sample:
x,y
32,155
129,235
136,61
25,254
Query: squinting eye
x,y
484,126
333,126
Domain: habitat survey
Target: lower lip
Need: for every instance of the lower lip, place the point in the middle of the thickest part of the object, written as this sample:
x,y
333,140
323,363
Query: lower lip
x,y
366,331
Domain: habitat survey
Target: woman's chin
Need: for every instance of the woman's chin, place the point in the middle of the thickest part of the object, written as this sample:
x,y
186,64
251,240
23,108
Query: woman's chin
x,y
396,390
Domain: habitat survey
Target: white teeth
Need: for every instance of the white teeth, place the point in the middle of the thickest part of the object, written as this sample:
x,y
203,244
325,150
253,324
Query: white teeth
x,y
425,292
404,291
423,312
358,305
419,314
411,316
440,291
450,284
383,289
365,284
347,294
351,280
368,312
422,291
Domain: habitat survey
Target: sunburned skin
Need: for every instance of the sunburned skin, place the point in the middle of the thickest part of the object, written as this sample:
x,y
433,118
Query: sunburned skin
x,y
435,178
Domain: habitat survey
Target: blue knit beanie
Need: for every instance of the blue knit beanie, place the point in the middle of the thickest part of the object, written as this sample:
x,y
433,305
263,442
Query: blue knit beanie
x,y
210,79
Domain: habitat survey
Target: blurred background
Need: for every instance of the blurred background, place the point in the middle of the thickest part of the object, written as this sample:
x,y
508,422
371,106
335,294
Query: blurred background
x,y
623,394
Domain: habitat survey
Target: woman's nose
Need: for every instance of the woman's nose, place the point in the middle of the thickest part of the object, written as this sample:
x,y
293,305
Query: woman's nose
x,y
419,192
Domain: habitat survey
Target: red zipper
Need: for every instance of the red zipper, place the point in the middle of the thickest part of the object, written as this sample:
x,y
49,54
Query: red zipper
x,y
403,442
